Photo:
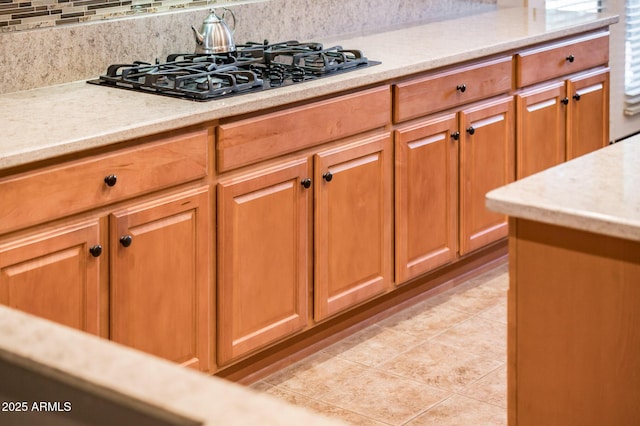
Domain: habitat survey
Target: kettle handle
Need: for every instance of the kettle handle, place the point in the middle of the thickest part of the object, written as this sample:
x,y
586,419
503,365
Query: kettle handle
x,y
225,10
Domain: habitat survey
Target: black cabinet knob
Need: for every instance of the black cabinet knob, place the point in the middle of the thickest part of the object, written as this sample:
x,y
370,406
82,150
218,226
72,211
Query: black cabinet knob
x,y
576,96
95,250
306,182
461,87
571,58
111,180
564,100
126,240
471,130
455,136
327,176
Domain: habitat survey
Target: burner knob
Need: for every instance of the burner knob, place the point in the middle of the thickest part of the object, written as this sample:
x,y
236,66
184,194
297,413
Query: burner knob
x,y
111,180
461,87
327,176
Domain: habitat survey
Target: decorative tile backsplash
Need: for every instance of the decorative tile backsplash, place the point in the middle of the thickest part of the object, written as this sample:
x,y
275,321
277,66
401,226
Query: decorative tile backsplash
x,y
16,15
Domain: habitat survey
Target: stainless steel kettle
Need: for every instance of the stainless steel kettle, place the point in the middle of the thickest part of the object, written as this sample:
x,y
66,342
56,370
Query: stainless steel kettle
x,y
215,36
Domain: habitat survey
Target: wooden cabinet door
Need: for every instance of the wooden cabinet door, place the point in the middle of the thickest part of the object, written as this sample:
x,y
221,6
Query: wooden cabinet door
x,y
486,162
263,252
160,282
426,196
588,113
540,138
52,274
352,232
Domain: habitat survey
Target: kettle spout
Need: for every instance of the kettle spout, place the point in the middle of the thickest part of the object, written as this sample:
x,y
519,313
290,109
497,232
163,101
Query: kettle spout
x,y
199,37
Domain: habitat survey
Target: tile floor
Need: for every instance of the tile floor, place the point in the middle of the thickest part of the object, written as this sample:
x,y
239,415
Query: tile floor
x,y
440,362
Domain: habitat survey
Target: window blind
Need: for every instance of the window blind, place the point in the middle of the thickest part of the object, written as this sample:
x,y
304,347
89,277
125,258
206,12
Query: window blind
x,y
632,58
575,5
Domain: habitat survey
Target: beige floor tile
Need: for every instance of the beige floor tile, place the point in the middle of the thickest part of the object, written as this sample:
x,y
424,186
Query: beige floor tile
x,y
497,312
479,336
316,375
440,365
459,410
383,397
492,388
425,322
373,345
310,404
439,362
469,298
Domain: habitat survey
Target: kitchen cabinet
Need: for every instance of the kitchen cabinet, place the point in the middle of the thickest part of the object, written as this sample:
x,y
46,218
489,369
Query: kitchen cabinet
x,y
308,235
588,112
269,240
160,289
563,104
57,273
541,128
426,201
93,249
264,249
352,224
487,161
426,195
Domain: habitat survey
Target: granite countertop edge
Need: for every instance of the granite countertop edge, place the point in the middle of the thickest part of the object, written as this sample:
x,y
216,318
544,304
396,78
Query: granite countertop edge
x,y
596,192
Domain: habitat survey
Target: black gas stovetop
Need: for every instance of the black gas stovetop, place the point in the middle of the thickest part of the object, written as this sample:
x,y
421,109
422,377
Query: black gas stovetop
x,y
252,67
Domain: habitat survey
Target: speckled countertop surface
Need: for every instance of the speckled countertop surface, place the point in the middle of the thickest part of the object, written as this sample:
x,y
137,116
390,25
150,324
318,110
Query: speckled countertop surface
x,y
47,122
598,192
131,379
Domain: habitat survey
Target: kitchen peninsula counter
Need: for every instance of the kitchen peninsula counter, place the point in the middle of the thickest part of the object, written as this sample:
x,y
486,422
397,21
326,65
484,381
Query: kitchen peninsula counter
x,y
53,121
574,294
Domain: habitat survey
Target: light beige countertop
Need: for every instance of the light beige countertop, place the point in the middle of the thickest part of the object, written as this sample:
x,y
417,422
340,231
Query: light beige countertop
x,y
598,192
47,122
129,379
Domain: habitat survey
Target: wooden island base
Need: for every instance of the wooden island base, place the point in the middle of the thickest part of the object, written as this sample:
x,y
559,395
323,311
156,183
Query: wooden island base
x,y
574,327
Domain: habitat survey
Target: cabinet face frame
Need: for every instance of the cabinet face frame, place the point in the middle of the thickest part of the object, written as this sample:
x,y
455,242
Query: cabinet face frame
x,y
275,195
52,268
426,196
364,167
170,243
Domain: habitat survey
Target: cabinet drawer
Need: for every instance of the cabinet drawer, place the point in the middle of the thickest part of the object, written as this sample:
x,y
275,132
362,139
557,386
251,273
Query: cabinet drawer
x,y
267,136
557,59
37,196
418,97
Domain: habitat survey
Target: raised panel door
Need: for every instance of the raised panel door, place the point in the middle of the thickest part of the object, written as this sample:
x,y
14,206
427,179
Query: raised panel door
x,y
352,232
540,139
588,113
264,252
53,275
160,281
487,161
426,195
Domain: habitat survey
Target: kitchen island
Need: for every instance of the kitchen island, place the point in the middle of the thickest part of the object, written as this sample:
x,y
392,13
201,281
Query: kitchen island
x,y
574,296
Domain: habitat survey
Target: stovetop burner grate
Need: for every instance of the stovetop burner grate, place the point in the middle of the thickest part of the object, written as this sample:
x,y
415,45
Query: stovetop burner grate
x,y
253,67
